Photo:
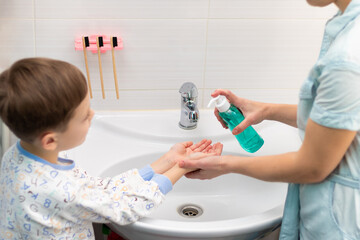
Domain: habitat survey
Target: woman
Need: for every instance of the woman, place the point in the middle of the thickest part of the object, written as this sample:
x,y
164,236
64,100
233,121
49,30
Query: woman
x,y
323,200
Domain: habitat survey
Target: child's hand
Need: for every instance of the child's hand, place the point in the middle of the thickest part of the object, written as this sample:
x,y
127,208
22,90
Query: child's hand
x,y
181,150
215,148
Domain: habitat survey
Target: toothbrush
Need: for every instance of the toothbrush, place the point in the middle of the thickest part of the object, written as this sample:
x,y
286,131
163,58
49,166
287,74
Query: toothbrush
x,y
86,43
114,43
100,44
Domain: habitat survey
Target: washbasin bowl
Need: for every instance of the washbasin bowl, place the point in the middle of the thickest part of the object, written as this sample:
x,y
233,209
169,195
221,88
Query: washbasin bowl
x,y
229,205
232,206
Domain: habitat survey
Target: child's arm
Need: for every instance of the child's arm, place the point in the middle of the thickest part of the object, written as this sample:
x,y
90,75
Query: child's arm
x,y
122,199
175,173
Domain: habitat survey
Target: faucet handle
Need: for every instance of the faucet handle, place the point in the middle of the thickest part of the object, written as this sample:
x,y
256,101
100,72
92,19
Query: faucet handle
x,y
188,90
189,111
193,116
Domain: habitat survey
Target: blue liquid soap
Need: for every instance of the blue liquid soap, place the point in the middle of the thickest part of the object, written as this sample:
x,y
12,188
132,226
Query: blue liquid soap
x,y
249,139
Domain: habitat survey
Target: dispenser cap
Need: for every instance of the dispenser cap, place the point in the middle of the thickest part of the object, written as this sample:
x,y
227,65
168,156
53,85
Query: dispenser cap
x,y
221,103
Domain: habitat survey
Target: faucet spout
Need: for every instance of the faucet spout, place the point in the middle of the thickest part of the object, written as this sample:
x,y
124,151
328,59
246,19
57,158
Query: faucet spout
x,y
189,110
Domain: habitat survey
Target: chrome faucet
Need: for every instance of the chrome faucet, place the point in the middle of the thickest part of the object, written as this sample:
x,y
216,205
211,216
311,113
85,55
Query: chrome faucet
x,y
189,111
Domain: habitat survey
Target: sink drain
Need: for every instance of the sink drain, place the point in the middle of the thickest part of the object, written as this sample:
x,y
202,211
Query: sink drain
x,y
190,211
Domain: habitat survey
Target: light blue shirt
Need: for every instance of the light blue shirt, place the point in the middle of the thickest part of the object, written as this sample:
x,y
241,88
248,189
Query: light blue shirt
x,y
330,96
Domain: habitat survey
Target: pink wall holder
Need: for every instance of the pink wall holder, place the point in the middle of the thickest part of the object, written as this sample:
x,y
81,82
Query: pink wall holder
x,y
99,44
93,43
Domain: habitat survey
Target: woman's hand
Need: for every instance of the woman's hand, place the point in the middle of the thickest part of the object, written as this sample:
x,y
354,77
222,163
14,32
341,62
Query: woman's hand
x,y
203,166
176,172
182,150
254,112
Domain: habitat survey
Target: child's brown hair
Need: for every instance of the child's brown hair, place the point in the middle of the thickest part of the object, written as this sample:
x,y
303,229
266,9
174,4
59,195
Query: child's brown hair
x,y
40,94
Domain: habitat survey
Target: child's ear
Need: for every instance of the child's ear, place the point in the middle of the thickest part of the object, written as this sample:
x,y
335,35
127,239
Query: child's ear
x,y
49,141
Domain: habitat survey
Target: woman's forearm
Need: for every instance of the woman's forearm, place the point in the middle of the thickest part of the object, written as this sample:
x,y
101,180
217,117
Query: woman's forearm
x,y
321,152
285,113
274,168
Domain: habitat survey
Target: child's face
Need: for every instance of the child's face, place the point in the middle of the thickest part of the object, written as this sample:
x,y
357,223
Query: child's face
x,y
77,128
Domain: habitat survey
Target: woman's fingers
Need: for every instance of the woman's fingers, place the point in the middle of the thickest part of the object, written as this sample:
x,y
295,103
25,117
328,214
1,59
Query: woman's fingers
x,y
227,93
216,112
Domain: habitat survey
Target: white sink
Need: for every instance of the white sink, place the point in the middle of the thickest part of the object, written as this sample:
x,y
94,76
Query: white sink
x,y
160,126
229,207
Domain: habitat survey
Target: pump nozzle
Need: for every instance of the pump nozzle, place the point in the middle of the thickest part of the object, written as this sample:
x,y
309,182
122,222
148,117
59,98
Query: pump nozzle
x,y
221,103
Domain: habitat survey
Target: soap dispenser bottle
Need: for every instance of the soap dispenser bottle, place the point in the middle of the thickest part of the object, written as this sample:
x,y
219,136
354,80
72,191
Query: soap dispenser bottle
x,y
249,139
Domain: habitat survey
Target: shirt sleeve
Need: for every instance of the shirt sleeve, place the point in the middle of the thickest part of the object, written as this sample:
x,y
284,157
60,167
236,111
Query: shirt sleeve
x,y
337,102
147,172
165,185
122,199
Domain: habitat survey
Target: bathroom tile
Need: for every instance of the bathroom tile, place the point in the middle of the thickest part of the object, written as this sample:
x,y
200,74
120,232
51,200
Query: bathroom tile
x,y
120,9
157,54
253,53
261,9
262,49
17,40
16,9
137,100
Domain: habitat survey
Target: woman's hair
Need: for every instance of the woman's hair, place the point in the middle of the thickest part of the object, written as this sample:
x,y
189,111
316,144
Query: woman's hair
x,y
40,94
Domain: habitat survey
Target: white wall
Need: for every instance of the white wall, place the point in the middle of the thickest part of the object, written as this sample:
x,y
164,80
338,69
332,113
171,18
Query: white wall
x,y
260,49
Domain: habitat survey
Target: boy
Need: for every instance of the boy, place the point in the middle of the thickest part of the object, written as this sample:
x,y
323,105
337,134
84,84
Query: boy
x,y
46,105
